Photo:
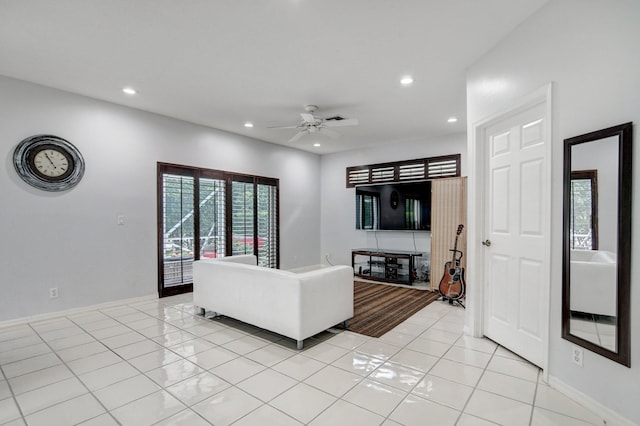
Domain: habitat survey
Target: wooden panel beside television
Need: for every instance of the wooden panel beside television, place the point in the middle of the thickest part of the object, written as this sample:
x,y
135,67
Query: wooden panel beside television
x,y
449,209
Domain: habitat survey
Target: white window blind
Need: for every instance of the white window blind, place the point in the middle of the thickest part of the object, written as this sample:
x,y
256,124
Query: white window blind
x,y
267,215
209,214
412,171
583,229
242,219
178,229
405,171
212,218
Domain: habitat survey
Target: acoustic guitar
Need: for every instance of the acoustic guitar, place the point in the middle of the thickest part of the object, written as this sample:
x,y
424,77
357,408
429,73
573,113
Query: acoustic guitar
x,y
452,283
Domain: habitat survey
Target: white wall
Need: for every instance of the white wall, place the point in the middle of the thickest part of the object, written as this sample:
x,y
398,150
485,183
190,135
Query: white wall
x,y
339,233
70,240
589,49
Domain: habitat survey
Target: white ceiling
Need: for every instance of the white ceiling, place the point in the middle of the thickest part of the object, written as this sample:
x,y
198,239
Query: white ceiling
x,y
221,63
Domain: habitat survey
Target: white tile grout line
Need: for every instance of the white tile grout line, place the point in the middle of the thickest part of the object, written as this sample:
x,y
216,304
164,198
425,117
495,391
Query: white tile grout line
x,y
475,387
75,375
125,324
13,396
108,349
189,306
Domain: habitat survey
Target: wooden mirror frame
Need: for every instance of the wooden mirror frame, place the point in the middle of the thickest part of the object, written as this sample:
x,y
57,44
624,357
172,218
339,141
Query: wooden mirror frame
x,y
623,255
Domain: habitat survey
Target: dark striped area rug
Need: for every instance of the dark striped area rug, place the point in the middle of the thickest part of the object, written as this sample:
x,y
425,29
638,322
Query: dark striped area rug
x,y
379,307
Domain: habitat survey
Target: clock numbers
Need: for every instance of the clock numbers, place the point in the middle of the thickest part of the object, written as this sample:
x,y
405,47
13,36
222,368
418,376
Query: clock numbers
x,y
48,162
51,162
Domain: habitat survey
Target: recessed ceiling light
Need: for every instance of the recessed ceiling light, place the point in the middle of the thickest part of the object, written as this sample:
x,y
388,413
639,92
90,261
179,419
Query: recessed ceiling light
x,y
452,120
248,124
316,145
129,91
406,80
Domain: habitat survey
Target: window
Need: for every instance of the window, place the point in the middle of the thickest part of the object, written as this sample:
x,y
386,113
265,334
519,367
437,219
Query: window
x,y
230,214
267,218
583,221
212,217
404,171
242,200
177,229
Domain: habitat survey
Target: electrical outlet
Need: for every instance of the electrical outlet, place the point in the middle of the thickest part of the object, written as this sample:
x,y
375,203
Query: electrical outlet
x,y
577,355
53,292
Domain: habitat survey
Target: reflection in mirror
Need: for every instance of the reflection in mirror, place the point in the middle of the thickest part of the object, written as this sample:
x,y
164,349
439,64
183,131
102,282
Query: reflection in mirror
x,y
593,270
597,221
583,221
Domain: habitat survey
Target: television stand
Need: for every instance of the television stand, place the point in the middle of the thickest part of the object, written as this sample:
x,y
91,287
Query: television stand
x,y
394,266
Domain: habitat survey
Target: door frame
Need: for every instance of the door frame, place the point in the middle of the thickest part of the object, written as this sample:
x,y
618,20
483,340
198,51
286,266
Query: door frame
x,y
478,152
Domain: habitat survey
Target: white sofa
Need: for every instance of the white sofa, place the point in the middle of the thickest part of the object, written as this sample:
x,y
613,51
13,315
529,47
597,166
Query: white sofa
x,y
294,304
593,282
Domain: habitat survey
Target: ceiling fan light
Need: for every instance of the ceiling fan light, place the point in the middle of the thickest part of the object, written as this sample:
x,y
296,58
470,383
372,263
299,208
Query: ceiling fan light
x,y
406,80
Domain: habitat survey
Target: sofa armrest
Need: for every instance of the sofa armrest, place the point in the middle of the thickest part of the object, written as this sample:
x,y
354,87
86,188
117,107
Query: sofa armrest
x,y
326,296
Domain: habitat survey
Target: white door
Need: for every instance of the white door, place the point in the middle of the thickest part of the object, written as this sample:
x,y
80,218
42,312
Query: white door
x,y
516,227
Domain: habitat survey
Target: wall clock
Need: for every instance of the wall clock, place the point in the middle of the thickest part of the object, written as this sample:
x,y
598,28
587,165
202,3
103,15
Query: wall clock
x,y
48,162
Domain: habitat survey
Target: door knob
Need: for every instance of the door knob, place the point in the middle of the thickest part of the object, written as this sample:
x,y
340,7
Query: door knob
x,y
486,243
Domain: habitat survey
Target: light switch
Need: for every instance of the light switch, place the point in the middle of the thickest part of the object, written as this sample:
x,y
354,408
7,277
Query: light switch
x,y
120,219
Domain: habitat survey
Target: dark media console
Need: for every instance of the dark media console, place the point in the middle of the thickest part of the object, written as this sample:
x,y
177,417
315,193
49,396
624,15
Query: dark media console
x,y
395,266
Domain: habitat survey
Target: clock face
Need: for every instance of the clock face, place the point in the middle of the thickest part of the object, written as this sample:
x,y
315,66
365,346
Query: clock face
x,y
48,162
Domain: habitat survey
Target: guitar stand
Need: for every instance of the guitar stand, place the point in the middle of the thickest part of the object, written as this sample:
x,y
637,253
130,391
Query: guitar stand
x,y
451,301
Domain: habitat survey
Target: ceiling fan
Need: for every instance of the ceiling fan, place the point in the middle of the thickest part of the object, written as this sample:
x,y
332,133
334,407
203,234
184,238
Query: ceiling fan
x,y
312,123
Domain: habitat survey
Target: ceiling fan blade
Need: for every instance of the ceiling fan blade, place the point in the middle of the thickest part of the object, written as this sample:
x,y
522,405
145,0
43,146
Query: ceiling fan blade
x,y
283,127
298,136
341,123
331,133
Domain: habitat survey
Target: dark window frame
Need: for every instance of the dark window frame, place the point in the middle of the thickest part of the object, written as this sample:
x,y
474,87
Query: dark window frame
x,y
229,177
444,166
591,175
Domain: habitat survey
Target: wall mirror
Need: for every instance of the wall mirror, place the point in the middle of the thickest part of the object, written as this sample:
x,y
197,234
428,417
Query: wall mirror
x,y
597,241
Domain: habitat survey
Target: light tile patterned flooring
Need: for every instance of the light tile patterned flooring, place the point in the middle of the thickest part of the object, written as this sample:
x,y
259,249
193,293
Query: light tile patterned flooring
x,y
598,329
155,362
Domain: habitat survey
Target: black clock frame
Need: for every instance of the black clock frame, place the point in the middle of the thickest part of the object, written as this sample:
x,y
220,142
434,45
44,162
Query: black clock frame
x,y
23,161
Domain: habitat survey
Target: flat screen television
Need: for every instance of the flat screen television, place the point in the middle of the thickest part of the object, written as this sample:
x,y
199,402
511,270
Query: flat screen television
x,y
394,206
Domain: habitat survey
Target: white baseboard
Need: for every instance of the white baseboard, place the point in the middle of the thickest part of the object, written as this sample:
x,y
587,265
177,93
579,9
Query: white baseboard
x,y
610,416
51,315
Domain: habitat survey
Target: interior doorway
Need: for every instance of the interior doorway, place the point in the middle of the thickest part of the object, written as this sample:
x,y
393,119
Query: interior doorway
x,y
510,220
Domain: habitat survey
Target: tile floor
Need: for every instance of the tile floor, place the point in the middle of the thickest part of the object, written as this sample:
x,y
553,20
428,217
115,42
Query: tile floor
x,y
598,329
154,362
